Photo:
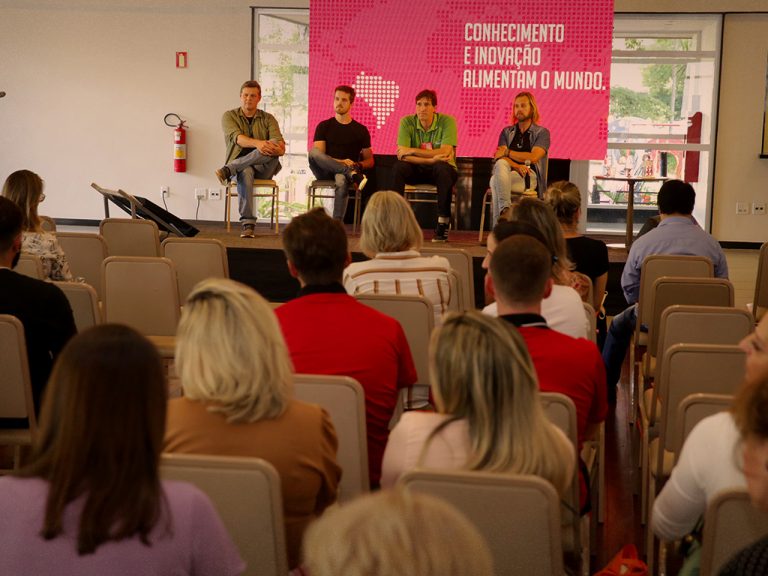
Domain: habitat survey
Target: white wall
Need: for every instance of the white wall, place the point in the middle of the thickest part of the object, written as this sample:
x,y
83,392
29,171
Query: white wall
x,y
88,86
89,82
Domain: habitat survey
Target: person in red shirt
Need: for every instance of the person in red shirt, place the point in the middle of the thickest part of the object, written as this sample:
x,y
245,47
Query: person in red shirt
x,y
329,332
520,278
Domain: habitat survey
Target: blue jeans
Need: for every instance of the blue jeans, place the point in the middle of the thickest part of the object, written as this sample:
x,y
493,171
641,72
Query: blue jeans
x,y
252,166
506,182
326,168
616,344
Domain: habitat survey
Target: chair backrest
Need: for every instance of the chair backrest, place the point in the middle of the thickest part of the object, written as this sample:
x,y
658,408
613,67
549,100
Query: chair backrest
x,y
85,253
519,516
760,301
417,318
589,312
30,265
693,409
84,303
658,265
670,290
344,400
15,387
461,263
47,223
683,324
130,237
196,259
730,524
691,369
561,411
142,293
246,494
457,302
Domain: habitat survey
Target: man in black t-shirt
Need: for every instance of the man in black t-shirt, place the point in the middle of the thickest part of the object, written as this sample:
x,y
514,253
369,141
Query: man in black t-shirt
x,y
341,149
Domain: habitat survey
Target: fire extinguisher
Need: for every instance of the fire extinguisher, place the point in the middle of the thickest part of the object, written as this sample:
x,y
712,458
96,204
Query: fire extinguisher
x,y
179,142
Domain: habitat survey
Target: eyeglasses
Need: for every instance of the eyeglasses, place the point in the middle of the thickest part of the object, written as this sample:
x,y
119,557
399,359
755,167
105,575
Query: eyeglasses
x,y
42,196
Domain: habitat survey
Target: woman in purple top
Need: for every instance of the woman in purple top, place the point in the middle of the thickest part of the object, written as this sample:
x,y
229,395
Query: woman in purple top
x,y
91,501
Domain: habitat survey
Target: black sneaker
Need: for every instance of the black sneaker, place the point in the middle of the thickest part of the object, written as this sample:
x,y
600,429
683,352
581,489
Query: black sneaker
x,y
223,174
247,231
441,233
360,180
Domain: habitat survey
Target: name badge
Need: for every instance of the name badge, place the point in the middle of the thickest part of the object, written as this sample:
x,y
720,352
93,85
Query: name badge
x,y
426,146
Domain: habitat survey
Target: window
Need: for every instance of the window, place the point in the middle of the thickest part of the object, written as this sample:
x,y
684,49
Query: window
x,y
662,115
281,65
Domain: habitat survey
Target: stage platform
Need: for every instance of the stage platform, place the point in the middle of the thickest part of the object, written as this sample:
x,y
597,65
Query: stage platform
x,y
260,263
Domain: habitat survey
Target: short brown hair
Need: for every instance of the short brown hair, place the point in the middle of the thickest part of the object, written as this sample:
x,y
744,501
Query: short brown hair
x,y
750,409
316,244
431,94
520,267
250,84
102,427
347,90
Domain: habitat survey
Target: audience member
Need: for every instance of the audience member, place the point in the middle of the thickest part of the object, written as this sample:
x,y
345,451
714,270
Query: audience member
x,y
25,189
488,412
590,256
236,375
91,502
329,332
40,306
520,278
751,417
708,461
677,234
396,533
391,238
562,309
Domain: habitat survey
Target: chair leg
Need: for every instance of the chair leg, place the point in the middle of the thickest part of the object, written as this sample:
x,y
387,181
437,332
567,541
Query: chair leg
x,y
356,213
227,207
276,209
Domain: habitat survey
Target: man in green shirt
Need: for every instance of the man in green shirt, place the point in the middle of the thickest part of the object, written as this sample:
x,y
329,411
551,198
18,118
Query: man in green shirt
x,y
426,153
254,144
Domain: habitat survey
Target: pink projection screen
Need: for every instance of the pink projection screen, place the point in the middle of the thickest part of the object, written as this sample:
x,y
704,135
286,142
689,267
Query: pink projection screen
x,y
477,56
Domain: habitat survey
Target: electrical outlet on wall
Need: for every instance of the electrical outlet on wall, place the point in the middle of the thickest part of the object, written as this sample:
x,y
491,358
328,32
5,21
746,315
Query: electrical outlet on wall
x,y
758,208
201,193
165,191
214,193
742,208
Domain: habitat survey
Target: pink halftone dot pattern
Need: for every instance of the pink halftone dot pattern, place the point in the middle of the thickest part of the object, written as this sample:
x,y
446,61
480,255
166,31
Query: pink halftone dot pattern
x,y
389,50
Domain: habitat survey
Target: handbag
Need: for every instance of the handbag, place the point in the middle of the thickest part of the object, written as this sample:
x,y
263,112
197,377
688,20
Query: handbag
x,y
625,563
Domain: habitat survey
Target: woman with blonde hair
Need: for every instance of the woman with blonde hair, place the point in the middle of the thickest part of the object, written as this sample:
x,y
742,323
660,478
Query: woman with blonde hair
x,y
391,238
590,256
25,189
236,375
489,416
396,533
91,501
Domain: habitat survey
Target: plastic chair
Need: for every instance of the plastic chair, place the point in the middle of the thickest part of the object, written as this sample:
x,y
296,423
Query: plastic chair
x,y
344,400
274,192
313,194
130,237
30,265
427,194
688,369
246,494
84,303
519,516
760,300
196,259
15,388
692,410
461,263
142,293
730,525
85,253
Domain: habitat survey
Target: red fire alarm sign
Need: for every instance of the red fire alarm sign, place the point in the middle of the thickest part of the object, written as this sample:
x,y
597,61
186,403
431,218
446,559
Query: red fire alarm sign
x,y
181,59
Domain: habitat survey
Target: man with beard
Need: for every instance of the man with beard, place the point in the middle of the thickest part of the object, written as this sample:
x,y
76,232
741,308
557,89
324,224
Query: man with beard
x,y
341,150
40,306
520,162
